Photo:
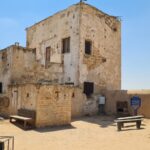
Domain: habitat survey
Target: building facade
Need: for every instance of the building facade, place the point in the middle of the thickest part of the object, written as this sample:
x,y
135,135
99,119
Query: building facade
x,y
80,44
79,47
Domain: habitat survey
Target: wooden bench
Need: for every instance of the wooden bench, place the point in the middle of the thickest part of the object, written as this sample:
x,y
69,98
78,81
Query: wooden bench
x,y
120,121
26,116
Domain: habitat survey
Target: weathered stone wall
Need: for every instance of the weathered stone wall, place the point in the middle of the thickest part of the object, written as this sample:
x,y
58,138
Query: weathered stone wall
x,y
53,105
80,22
103,66
83,105
49,33
78,103
113,96
23,65
5,67
22,96
17,65
4,105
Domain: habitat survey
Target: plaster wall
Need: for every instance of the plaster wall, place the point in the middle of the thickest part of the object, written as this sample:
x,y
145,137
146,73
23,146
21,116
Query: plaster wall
x,y
113,96
53,105
49,33
104,32
5,67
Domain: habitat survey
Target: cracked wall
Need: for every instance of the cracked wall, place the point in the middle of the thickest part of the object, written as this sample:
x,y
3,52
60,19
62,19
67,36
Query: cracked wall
x,y
103,66
49,33
16,66
52,103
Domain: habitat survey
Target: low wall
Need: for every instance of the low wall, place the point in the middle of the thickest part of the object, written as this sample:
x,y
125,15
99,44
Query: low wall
x,y
53,105
112,97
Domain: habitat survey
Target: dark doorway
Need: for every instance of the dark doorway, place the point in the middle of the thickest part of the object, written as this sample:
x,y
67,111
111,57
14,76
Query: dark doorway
x,y
88,47
122,108
88,88
1,87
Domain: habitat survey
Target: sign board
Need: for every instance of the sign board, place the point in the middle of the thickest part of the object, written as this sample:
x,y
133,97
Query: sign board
x,y
135,102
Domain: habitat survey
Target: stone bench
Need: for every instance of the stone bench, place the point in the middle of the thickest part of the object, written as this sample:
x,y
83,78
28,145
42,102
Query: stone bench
x,y
120,121
27,116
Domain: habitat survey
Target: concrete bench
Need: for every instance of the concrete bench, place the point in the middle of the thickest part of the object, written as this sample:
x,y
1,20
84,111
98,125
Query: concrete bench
x,y
27,116
120,122
131,117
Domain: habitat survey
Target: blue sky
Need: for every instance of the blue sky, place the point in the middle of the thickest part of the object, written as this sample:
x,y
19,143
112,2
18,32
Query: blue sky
x,y
16,15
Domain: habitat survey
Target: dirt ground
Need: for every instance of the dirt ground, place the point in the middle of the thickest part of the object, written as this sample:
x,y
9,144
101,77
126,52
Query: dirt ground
x,y
88,133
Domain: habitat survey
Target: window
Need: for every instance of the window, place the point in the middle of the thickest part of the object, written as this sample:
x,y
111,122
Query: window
x,y
88,47
48,49
88,88
4,56
66,45
1,87
34,51
47,56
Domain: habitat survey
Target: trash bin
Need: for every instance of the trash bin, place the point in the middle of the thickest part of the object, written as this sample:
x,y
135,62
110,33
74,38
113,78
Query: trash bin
x,y
1,145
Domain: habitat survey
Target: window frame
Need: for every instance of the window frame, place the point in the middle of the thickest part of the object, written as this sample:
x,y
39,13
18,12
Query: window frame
x,y
88,88
66,45
88,47
48,54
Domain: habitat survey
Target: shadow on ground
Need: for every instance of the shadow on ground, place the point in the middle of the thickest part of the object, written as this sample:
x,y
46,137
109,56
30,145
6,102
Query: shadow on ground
x,y
130,129
45,129
106,121
103,121
52,129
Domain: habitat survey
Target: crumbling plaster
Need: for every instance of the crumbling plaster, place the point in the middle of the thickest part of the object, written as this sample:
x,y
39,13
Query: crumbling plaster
x,y
103,66
50,32
80,22
52,103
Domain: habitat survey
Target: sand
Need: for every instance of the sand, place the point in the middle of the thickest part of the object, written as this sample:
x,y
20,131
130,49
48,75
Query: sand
x,y
88,133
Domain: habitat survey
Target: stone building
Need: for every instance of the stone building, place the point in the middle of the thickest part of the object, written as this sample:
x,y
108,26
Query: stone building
x,y
79,47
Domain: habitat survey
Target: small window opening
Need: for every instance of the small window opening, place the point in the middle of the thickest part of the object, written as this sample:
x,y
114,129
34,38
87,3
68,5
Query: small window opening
x,y
1,87
34,51
88,47
48,53
28,95
73,95
88,88
66,45
47,56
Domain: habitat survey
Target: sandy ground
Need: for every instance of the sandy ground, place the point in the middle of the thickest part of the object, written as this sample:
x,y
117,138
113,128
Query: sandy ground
x,y
88,133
